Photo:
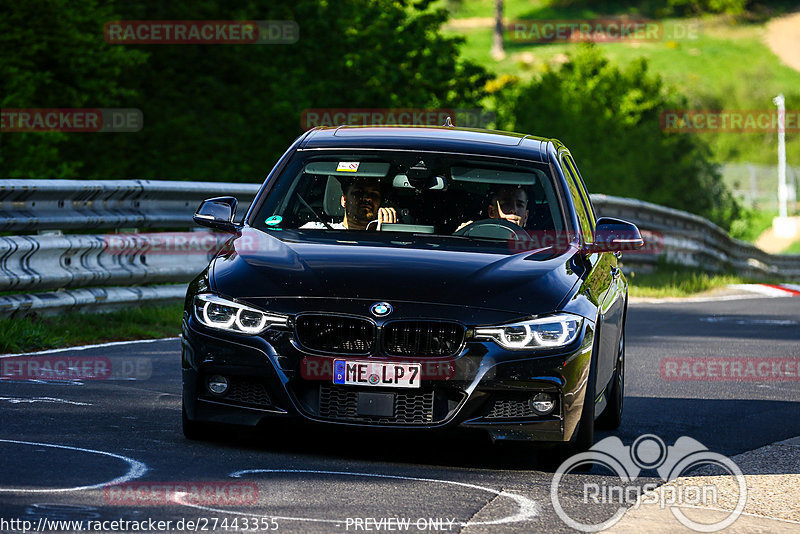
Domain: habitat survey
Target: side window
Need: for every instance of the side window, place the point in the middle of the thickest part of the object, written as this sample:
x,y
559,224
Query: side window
x,y
582,187
584,214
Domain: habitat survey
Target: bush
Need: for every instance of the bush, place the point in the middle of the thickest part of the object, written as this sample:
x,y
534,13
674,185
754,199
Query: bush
x,y
610,119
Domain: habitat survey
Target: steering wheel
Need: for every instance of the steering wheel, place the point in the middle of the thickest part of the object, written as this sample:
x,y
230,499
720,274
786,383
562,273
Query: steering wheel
x,y
495,229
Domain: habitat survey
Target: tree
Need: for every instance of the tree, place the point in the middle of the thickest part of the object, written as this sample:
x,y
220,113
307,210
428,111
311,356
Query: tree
x,y
53,56
227,112
498,52
610,119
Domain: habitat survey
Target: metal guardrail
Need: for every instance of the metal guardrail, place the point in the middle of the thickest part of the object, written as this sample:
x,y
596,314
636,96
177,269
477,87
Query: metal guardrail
x,y
68,261
35,205
97,271
89,299
693,241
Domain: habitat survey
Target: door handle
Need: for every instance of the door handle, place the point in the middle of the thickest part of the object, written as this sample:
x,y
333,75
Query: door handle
x,y
615,272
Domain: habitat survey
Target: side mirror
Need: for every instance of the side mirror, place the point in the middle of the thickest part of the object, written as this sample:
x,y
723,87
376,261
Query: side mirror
x,y
217,213
615,235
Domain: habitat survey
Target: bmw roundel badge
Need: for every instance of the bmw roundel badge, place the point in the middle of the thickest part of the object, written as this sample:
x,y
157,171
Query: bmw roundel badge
x,y
381,309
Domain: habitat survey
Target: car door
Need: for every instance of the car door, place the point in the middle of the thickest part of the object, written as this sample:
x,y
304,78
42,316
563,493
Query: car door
x,y
612,301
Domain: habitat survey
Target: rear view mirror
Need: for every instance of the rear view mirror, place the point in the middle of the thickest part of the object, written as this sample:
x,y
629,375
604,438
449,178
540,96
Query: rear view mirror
x,y
615,235
217,213
433,183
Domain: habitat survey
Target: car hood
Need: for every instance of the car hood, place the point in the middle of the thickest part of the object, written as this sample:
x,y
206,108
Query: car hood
x,y
258,265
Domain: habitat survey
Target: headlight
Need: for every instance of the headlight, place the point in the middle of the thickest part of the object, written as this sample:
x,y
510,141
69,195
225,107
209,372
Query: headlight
x,y
543,333
224,314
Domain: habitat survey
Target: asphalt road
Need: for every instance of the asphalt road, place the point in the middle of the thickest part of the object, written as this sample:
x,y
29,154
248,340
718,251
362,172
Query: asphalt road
x,y
61,442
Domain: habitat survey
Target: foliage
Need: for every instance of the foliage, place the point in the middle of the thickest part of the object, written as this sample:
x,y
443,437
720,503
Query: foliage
x,y
53,56
751,224
696,7
224,112
609,117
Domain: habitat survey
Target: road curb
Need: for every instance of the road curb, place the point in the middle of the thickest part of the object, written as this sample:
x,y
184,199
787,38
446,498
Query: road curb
x,y
730,292
772,474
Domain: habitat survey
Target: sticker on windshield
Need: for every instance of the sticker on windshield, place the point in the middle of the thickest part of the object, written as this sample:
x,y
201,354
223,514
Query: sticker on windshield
x,y
274,220
347,166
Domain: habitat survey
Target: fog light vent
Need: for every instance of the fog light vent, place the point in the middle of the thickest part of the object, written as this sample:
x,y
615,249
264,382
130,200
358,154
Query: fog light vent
x,y
218,385
542,403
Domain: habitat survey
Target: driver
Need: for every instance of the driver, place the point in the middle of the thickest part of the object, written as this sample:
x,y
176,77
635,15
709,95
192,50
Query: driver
x,y
508,202
361,200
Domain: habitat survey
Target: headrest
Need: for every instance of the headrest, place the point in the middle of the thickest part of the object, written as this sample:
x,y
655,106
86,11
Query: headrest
x,y
333,198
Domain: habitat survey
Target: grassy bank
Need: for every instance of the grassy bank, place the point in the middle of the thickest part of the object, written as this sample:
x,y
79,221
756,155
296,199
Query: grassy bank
x,y
70,329
677,282
716,61
794,248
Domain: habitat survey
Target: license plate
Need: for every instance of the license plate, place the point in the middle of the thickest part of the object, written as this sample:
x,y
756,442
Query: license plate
x,y
377,374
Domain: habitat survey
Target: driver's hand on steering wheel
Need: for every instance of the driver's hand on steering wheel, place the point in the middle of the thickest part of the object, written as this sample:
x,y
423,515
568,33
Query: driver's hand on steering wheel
x,y
386,215
463,225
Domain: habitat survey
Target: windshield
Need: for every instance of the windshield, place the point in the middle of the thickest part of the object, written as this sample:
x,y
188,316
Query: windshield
x,y
418,199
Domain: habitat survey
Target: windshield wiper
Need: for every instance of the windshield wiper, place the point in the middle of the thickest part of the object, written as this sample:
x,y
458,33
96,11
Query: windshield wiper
x,y
307,205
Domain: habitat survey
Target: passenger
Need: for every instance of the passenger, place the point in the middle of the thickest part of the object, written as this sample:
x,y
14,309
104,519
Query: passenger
x,y
361,200
508,202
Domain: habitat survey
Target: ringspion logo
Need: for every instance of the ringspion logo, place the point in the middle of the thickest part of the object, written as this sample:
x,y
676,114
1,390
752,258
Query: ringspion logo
x,y
625,487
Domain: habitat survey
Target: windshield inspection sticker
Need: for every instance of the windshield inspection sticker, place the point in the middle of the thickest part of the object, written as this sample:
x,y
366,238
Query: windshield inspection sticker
x,y
274,220
347,166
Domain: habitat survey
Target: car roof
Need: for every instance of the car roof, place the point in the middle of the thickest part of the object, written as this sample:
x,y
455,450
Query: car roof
x,y
429,138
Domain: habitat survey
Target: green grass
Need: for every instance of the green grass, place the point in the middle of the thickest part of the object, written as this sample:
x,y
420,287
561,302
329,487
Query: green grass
x,y
69,329
794,248
678,282
754,223
539,9
722,65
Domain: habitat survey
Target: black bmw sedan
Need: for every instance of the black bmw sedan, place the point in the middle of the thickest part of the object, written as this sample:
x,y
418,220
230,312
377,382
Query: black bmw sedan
x,y
415,278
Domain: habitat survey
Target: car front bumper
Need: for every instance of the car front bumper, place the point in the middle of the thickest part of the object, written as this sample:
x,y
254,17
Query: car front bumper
x,y
483,387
